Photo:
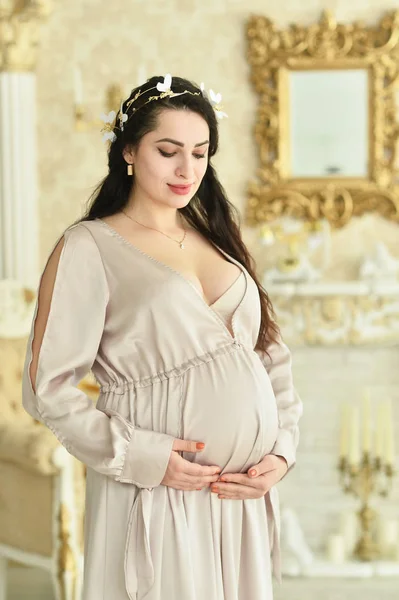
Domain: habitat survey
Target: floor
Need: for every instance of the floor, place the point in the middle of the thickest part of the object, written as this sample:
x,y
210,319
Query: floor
x,y
28,584
35,584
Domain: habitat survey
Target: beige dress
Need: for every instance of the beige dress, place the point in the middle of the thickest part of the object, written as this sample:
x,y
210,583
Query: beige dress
x,y
169,367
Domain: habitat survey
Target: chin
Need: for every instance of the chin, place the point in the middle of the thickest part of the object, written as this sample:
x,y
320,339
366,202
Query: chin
x,y
181,202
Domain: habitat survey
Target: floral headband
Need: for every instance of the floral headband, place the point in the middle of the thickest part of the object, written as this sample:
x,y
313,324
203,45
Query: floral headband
x,y
165,90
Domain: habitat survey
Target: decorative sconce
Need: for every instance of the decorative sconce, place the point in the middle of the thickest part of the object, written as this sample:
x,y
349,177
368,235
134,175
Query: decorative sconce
x,y
114,97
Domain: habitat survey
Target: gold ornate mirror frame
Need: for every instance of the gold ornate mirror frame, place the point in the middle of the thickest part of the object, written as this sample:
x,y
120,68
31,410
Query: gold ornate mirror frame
x,y
325,45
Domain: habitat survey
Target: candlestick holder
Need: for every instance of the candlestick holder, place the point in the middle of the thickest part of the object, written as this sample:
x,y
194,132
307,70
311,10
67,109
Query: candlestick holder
x,y
114,97
370,476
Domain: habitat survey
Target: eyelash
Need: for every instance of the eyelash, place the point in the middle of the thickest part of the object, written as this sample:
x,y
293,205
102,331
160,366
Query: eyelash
x,y
169,155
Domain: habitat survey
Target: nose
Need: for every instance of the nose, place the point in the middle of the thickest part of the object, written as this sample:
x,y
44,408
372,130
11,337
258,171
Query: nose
x,y
185,168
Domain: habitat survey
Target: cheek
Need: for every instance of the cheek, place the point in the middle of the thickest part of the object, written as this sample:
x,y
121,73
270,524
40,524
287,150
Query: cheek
x,y
156,169
201,169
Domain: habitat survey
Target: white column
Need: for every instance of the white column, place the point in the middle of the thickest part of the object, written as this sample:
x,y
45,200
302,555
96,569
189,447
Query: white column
x,y
19,240
3,578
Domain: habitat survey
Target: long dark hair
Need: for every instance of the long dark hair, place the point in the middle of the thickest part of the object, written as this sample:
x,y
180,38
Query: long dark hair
x,y
209,211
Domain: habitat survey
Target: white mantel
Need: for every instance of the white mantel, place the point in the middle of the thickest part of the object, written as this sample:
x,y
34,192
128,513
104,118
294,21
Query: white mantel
x,y
350,569
337,312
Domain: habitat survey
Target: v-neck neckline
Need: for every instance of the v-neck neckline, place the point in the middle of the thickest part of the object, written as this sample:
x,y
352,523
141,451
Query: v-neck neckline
x,y
229,289
233,337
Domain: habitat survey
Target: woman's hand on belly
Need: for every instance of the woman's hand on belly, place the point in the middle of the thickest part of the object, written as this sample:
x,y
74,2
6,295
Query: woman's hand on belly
x,y
242,486
181,474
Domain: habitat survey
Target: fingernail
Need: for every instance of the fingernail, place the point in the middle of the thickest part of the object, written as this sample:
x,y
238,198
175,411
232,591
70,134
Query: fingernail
x,y
215,489
253,472
200,445
222,479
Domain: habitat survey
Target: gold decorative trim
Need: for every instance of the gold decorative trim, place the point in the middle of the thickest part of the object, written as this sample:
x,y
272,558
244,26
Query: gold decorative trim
x,y
66,558
20,22
326,45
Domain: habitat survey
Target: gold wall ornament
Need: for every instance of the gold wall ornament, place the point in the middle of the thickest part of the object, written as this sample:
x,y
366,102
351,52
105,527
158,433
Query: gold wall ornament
x,y
66,558
20,22
275,57
114,95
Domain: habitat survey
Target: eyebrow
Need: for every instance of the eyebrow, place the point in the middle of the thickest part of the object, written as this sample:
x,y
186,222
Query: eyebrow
x,y
180,143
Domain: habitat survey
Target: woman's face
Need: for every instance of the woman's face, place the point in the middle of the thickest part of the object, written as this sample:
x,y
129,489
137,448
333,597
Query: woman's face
x,y
174,154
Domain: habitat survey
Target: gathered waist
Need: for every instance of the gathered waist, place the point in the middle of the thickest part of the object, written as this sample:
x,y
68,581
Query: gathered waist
x,y
119,387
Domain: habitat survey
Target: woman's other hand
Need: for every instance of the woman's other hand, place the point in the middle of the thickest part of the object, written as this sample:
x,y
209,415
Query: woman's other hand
x,y
254,484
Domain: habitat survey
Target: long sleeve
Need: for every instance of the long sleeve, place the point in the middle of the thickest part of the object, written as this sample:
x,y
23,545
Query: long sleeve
x,y
289,405
70,316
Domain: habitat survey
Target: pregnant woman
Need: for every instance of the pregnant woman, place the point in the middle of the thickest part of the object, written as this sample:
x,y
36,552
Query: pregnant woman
x,y
197,417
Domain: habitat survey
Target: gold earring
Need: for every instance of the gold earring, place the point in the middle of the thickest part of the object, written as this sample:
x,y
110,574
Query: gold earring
x,y
130,169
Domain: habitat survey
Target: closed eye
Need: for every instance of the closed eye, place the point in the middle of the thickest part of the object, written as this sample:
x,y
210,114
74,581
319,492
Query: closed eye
x,y
169,155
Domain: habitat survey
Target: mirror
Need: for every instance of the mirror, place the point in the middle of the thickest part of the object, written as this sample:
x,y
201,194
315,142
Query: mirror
x,y
328,116
326,126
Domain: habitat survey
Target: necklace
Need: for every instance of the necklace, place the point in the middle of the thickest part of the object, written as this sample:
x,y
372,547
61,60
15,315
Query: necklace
x,y
168,236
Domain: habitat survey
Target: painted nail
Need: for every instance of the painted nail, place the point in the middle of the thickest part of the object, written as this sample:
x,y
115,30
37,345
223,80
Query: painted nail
x,y
253,472
200,445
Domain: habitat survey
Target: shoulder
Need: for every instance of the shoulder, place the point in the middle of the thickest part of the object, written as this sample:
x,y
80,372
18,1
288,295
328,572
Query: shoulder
x,y
80,233
75,249
77,239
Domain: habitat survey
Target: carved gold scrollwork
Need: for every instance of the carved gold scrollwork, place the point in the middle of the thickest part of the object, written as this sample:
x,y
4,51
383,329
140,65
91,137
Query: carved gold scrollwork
x,y
325,45
66,558
20,22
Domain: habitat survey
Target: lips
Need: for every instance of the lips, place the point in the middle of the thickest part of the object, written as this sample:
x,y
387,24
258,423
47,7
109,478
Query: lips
x,y
180,185
180,189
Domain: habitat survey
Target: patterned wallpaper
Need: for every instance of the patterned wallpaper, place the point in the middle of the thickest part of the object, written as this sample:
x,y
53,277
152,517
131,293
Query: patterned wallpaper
x,y
203,40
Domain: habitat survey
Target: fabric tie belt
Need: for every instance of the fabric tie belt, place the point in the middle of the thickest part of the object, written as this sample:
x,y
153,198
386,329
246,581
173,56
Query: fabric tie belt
x,y
139,567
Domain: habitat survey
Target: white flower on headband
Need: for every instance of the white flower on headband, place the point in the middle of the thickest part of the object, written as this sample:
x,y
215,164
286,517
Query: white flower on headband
x,y
122,117
109,118
203,90
166,84
215,100
108,130
109,135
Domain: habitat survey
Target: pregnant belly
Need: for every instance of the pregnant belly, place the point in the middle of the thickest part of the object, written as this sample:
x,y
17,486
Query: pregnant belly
x,y
229,405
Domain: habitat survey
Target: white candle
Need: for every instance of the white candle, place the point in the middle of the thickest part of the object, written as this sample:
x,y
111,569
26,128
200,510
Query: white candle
x,y
388,536
78,86
348,528
366,437
354,448
336,549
